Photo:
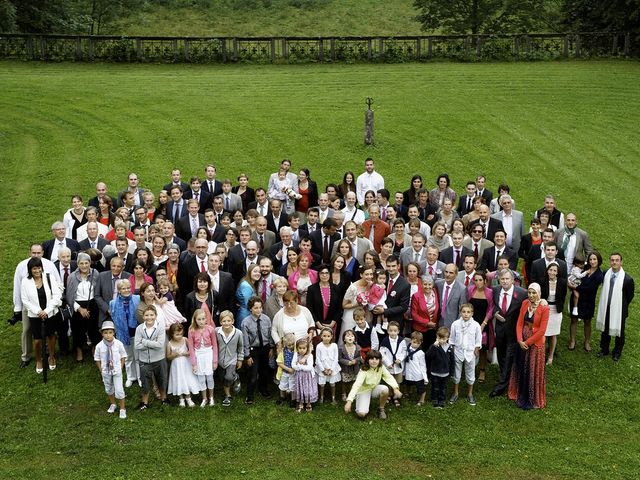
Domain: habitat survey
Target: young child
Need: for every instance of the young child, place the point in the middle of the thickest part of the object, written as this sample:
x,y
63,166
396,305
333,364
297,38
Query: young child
x,y
257,343
440,362
366,336
167,304
415,367
394,350
466,338
149,343
230,355
285,373
367,386
110,356
349,358
306,389
203,352
377,297
575,278
182,380
327,364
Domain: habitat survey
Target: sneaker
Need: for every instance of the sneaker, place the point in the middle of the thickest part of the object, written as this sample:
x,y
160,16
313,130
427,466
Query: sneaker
x,y
237,385
212,402
190,403
453,399
123,413
226,402
574,312
112,408
439,406
142,406
382,415
203,403
472,400
182,403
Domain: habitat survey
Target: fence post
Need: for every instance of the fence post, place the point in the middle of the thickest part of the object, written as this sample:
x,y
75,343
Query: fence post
x,y
91,49
42,48
478,46
285,53
235,49
578,46
627,44
614,47
381,43
527,44
186,49
139,49
175,49
418,48
429,47
78,55
369,49
516,45
273,50
30,48
224,50
565,52
333,48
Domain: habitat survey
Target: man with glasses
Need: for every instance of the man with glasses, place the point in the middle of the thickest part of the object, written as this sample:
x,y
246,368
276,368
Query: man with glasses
x,y
477,243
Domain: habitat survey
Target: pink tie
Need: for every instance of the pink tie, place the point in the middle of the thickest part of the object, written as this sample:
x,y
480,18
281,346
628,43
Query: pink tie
x,y
446,297
430,270
504,303
264,290
202,266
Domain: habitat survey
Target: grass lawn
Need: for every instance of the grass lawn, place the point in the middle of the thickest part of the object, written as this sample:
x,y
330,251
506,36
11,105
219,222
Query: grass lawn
x,y
568,128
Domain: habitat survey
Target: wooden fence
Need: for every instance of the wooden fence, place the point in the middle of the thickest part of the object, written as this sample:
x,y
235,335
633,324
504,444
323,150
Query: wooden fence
x,y
314,49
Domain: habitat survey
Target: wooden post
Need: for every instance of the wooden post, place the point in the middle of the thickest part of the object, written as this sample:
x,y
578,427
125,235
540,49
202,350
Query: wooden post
x,y
175,49
369,49
418,48
516,45
478,46
78,55
627,44
285,53
30,49
578,46
224,50
139,55
381,42
429,47
42,48
527,45
91,49
333,48
565,51
187,44
235,49
614,47
273,50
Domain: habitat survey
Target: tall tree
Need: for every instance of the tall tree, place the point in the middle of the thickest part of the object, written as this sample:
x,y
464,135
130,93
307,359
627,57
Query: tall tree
x,y
7,16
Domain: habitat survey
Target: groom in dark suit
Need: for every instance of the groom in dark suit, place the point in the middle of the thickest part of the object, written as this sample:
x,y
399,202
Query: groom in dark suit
x,y
507,300
398,294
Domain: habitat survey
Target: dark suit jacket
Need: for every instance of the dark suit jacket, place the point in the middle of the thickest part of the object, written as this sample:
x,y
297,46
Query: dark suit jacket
x,y
128,262
508,328
86,244
317,246
226,295
561,292
187,271
303,230
312,193
183,185
218,234
398,300
183,226
493,225
487,195
254,206
94,202
488,262
462,206
539,270
217,187
446,256
170,211
275,248
271,225
178,241
104,292
269,238
71,244
315,304
205,199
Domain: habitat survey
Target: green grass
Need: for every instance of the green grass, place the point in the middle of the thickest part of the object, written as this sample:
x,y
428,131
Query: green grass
x,y
568,128
326,18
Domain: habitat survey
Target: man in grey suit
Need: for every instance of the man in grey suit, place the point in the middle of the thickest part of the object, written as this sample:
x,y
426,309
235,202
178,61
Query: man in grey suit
x,y
230,201
452,295
511,222
263,237
434,267
416,253
572,241
477,243
107,286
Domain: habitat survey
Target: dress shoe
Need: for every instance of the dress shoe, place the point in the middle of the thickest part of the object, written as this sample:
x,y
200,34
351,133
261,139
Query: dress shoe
x,y
25,363
615,357
494,393
602,354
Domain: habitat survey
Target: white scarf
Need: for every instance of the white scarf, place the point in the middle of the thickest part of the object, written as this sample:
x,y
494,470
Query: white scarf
x,y
615,312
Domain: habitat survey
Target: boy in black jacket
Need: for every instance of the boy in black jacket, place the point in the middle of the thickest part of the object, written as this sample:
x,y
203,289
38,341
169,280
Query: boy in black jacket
x,y
440,363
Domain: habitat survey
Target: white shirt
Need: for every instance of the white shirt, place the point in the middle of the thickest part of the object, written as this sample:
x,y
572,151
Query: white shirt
x,y
507,223
509,297
215,280
368,181
354,214
101,355
415,370
466,336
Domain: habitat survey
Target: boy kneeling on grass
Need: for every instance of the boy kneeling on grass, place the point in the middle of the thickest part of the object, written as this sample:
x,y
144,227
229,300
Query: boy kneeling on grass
x,y
110,356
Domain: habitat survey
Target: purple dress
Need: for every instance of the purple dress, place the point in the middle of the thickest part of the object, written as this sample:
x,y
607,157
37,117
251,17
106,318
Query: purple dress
x,y
306,388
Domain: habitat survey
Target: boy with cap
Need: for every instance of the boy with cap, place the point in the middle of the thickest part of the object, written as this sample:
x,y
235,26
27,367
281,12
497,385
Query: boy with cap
x,y
109,357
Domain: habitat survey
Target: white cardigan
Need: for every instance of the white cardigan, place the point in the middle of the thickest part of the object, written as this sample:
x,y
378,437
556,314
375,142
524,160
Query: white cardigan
x,y
29,295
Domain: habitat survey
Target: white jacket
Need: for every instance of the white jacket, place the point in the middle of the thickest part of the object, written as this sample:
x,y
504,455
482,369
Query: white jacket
x,y
29,295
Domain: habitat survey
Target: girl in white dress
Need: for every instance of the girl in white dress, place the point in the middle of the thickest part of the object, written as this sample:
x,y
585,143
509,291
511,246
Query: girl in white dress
x,y
182,380
327,364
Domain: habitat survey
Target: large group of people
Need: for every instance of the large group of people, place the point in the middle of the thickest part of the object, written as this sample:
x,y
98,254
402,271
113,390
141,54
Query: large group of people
x,y
344,292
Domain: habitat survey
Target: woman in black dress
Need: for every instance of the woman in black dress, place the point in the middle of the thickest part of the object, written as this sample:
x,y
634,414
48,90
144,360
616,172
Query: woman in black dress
x,y
588,290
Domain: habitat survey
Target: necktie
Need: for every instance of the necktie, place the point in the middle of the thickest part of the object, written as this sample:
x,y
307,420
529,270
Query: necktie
x,y
468,204
194,226
456,258
260,341
416,257
475,251
175,211
261,242
325,252
202,269
93,244
264,290
498,253
467,280
226,203
114,280
390,287
383,214
211,187
446,297
372,234
430,270
196,195
503,306
66,276
612,282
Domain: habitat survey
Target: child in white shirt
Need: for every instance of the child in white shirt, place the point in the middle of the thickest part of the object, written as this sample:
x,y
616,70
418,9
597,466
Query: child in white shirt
x,y
415,367
109,356
466,338
394,351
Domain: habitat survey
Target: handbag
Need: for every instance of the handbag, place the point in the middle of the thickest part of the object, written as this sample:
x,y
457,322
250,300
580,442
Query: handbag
x,y
66,312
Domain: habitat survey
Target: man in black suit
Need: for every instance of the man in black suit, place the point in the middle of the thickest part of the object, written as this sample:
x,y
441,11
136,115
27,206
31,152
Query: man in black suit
x,y
276,218
192,265
490,225
93,240
177,206
261,203
101,192
187,226
210,184
240,268
216,231
122,251
398,294
142,220
456,253
539,267
196,192
238,253
322,240
490,256
169,235
617,293
222,285
176,181
507,300
134,188
482,191
306,229
305,247
59,240
537,251
465,204
106,286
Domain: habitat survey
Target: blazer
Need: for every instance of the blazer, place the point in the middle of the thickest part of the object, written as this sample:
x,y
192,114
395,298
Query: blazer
x,y
457,296
462,206
439,270
74,281
183,226
420,314
312,194
71,244
317,245
254,206
508,327
247,197
539,270
398,300
235,202
86,244
268,239
493,224
483,244
561,292
104,292
488,262
516,224
540,321
95,202
205,199
217,187
273,252
29,295
486,194
381,230
226,294
583,243
275,228
407,256
315,304
447,255
169,186
170,208
362,245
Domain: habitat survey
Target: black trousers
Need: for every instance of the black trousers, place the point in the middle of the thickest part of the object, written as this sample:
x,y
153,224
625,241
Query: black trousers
x,y
506,353
438,389
80,326
605,338
260,373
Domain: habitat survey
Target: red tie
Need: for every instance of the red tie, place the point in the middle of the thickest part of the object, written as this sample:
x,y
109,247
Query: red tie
x,y
430,270
504,303
202,269
390,287
466,281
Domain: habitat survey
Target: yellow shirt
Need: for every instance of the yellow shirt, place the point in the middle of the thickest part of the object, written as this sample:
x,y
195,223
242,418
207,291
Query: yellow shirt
x,y
367,380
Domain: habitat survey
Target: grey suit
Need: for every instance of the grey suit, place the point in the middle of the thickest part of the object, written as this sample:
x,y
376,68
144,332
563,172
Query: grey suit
x,y
438,270
516,225
482,246
407,255
104,292
235,202
583,243
269,238
456,298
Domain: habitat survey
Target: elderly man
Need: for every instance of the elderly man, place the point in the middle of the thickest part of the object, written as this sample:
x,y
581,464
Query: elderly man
x,y
92,238
452,295
374,228
59,240
263,237
106,286
278,251
511,222
556,217
572,241
416,253
368,180
92,216
324,210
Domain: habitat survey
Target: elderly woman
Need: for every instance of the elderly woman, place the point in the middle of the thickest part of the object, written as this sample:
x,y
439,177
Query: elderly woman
x,y
247,288
303,277
123,311
75,217
324,301
293,318
442,191
424,311
80,294
554,291
41,296
586,303
527,384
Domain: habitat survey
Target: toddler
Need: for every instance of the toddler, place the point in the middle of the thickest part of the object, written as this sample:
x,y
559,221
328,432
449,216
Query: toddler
x,y
285,373
306,389
182,380
394,351
203,352
327,364
575,278
349,358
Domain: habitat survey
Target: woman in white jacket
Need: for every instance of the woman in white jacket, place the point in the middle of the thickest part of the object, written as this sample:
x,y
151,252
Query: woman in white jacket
x,y
41,295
